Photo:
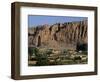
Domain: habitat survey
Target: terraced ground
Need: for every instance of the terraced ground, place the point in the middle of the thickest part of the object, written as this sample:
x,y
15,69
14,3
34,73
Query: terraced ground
x,y
46,56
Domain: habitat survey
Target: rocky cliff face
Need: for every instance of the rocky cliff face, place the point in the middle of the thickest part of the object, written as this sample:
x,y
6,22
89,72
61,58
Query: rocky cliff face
x,y
59,35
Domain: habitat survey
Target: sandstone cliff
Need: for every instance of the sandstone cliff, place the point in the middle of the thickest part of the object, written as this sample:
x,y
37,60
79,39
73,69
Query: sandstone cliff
x,y
59,35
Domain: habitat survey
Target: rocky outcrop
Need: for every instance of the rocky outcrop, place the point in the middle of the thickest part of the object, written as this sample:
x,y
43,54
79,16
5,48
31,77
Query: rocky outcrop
x,y
59,35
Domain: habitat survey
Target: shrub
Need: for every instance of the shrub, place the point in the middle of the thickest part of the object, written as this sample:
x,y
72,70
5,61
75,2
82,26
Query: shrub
x,y
48,52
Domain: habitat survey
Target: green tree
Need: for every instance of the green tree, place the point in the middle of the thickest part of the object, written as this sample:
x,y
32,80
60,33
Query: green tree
x,y
42,59
32,50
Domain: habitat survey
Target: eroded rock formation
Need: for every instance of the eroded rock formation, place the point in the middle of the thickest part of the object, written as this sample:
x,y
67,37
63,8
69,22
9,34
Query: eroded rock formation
x,y
59,35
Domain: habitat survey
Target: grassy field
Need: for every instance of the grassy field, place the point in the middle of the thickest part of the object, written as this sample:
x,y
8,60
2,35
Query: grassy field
x,y
45,57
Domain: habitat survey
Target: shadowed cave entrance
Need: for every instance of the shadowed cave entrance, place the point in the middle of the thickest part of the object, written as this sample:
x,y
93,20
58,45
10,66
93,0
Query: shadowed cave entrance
x,y
38,41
